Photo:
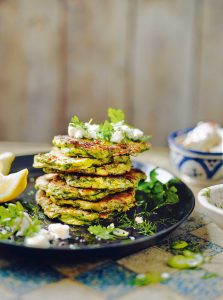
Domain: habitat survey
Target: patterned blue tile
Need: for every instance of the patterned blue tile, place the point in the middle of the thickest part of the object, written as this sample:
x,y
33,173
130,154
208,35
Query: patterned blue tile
x,y
23,277
194,222
207,247
110,278
191,284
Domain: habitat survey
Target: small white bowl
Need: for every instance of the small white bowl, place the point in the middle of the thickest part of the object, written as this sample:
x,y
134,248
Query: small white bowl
x,y
211,202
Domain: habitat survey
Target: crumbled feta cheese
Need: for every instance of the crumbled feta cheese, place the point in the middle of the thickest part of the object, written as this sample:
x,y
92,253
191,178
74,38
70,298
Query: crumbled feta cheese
x,y
75,132
117,125
92,130
59,231
134,133
117,136
38,241
139,220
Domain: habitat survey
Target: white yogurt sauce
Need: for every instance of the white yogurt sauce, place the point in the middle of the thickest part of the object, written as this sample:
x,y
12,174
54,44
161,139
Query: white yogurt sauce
x,y
206,136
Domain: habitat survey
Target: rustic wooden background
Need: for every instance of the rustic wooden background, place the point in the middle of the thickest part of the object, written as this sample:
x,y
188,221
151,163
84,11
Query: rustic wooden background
x,y
159,60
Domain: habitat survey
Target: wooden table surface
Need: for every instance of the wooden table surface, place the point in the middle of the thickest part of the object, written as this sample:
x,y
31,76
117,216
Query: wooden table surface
x,y
111,279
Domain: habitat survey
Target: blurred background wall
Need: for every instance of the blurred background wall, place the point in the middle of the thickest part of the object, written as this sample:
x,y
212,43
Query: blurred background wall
x,y
159,60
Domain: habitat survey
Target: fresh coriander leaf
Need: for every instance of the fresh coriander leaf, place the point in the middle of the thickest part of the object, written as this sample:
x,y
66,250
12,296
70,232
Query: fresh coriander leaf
x,y
145,186
106,130
116,115
153,175
75,122
157,192
101,232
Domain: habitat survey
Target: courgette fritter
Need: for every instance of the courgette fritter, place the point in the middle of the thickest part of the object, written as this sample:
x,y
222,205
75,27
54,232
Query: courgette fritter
x,y
122,201
54,186
105,170
58,161
97,148
126,181
67,214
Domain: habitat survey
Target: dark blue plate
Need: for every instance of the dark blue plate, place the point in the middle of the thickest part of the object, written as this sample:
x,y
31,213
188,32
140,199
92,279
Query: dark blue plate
x,y
168,219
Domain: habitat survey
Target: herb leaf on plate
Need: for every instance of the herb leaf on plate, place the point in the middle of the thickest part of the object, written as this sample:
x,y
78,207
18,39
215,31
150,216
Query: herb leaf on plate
x,y
107,233
14,220
161,194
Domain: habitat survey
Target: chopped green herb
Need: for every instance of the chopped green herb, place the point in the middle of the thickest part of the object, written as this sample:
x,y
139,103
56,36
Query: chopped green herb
x,y
207,193
145,227
186,262
75,122
179,245
31,193
116,115
150,278
187,256
161,194
107,233
15,221
106,130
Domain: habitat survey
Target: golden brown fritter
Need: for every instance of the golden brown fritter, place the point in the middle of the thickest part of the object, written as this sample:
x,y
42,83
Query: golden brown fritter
x,y
97,148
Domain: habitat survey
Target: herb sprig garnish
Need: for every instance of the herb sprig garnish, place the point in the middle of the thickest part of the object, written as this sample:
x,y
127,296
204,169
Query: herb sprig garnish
x,y
145,227
107,233
161,194
76,122
15,221
114,125
116,115
105,130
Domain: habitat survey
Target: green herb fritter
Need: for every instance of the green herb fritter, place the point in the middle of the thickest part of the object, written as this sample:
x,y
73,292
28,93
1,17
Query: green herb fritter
x,y
118,202
125,181
67,214
97,148
57,161
54,186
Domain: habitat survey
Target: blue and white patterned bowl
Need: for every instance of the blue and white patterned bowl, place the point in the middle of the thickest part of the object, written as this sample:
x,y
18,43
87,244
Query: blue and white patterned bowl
x,y
195,167
211,203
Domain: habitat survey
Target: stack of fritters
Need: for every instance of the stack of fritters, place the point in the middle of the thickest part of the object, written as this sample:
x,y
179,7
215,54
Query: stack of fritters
x,y
87,180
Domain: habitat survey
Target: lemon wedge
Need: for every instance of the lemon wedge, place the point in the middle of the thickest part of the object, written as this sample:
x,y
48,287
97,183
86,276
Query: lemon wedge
x,y
6,160
11,186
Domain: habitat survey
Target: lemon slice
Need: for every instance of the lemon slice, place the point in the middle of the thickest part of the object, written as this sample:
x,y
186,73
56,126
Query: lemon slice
x,y
11,186
6,160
